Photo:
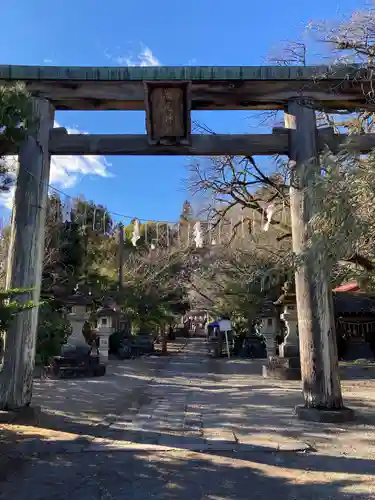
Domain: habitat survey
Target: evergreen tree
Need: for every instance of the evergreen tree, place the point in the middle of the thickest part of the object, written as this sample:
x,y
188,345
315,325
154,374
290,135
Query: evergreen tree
x,y
187,214
15,119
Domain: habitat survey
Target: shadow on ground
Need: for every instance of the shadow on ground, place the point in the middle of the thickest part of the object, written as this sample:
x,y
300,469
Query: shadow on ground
x,y
139,476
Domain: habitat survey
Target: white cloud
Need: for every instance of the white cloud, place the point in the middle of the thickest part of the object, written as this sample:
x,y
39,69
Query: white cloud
x,y
144,57
66,171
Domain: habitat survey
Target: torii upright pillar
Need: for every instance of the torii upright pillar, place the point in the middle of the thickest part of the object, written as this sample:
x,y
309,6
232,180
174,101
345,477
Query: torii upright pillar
x,y
317,336
25,259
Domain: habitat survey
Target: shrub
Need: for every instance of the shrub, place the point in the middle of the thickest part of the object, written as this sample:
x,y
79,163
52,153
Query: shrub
x,y
54,329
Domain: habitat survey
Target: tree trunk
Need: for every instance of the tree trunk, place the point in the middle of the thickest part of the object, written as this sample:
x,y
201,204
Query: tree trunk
x,y
318,349
26,257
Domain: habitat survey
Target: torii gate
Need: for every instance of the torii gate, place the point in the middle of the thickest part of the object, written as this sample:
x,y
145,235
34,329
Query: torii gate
x,y
168,94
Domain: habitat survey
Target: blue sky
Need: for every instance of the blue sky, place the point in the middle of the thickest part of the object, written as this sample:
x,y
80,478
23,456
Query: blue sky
x,y
168,32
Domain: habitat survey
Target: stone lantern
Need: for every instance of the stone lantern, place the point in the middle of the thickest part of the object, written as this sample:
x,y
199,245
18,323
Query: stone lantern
x,y
290,347
287,365
80,312
105,327
269,327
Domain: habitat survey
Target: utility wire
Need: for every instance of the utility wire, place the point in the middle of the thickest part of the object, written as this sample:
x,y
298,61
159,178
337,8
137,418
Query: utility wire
x,y
111,212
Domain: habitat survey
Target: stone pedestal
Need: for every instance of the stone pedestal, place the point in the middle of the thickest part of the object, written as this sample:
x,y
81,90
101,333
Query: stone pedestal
x,y
290,347
331,416
104,345
268,329
104,332
287,365
282,368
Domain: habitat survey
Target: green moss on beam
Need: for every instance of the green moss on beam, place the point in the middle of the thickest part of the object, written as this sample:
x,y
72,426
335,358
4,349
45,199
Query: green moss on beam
x,y
191,73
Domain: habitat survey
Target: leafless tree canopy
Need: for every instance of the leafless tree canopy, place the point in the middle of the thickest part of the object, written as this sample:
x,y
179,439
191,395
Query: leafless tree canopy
x,y
342,226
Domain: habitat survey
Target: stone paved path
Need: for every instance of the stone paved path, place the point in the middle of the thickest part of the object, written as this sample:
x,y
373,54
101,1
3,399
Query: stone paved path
x,y
206,429
170,411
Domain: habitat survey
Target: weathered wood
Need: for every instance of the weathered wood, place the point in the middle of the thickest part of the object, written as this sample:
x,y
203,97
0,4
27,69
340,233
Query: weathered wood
x,y
280,130
219,95
62,143
263,87
318,349
323,132
25,258
201,145
168,113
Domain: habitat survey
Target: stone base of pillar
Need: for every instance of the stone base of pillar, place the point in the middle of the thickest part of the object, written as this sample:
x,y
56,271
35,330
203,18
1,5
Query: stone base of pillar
x,y
282,368
27,415
325,415
289,351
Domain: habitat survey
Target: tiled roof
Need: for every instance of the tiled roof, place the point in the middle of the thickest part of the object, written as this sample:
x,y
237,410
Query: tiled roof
x,y
351,286
353,303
